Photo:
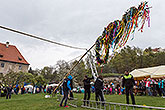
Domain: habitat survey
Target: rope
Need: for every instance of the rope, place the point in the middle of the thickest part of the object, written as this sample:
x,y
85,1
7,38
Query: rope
x,y
73,67
43,39
37,37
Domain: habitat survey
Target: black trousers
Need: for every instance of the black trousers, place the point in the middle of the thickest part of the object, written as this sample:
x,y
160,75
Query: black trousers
x,y
64,98
87,92
8,95
71,95
158,89
129,90
99,95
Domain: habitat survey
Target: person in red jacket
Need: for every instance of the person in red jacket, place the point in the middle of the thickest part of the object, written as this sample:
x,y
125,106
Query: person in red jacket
x,y
148,87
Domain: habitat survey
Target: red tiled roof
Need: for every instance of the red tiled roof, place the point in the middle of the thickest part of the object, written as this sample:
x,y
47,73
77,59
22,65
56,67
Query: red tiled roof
x,y
155,50
11,54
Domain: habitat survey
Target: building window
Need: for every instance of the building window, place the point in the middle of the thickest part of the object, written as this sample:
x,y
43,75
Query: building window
x,y
19,58
2,65
20,67
1,55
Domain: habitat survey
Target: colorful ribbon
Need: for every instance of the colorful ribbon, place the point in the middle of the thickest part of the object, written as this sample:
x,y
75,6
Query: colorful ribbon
x,y
117,33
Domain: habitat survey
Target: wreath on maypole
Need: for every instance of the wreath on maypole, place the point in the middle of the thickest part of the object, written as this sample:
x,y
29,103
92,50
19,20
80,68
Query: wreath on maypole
x,y
117,33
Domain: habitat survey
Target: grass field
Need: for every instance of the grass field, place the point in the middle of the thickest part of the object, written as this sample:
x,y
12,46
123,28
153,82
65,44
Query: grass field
x,y
38,102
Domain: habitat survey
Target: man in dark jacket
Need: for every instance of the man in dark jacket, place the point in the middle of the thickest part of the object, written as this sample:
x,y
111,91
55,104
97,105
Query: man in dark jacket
x,y
128,82
99,86
66,89
9,90
87,87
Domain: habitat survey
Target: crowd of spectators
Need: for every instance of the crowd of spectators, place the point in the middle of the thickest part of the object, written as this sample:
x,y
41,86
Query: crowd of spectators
x,y
7,90
113,88
151,87
147,86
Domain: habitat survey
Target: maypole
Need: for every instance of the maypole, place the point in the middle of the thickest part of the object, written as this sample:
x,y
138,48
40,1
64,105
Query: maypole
x,y
116,34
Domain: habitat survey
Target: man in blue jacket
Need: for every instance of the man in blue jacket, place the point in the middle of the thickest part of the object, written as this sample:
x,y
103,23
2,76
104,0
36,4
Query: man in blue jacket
x,y
66,89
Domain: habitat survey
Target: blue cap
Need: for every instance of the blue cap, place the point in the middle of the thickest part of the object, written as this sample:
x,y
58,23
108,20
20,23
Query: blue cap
x,y
70,77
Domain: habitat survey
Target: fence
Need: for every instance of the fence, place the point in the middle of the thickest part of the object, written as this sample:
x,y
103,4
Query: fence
x,y
98,105
114,106
73,102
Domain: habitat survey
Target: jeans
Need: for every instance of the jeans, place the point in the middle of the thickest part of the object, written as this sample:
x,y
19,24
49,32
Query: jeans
x,y
163,91
64,98
8,95
149,91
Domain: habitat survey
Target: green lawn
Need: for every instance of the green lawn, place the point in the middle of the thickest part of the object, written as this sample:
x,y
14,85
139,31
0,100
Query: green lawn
x,y
38,102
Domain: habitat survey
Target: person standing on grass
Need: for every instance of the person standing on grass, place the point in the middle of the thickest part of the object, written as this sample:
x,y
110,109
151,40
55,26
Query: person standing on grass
x,y
158,87
66,89
0,90
87,87
128,82
17,89
9,90
162,86
148,86
99,86
49,90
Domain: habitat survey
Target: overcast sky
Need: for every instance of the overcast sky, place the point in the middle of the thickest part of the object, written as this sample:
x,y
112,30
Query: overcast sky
x,y
73,22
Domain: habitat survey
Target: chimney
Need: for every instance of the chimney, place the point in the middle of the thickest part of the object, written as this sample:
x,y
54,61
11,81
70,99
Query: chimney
x,y
7,44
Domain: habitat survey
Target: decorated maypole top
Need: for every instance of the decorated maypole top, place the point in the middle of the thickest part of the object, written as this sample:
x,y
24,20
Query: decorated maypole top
x,y
116,34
